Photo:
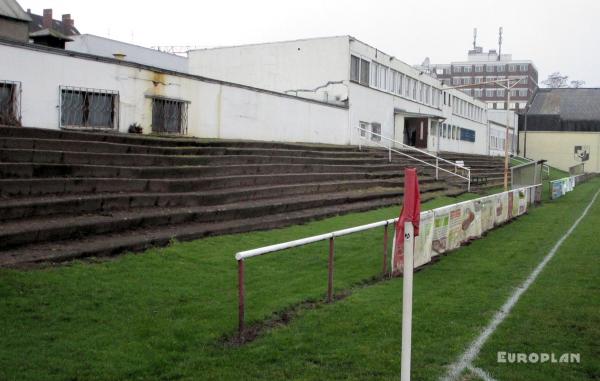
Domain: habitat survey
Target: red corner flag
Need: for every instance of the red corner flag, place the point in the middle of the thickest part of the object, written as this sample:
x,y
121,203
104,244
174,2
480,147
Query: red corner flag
x,y
411,212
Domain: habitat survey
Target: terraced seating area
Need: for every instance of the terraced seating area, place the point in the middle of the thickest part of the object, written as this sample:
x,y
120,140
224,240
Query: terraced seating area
x,y
66,195
486,171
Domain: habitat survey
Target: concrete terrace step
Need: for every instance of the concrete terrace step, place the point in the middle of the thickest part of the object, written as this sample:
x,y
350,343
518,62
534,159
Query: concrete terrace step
x,y
25,232
32,187
162,141
140,239
109,202
31,170
113,159
118,148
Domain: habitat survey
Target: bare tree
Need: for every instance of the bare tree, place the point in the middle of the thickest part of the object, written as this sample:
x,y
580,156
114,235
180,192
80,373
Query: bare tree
x,y
577,84
555,80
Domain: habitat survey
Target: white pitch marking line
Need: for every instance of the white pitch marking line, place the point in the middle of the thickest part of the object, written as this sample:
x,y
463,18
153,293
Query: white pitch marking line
x,y
485,376
473,351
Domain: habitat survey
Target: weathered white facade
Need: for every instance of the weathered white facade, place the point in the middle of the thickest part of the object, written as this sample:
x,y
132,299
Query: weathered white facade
x,y
215,109
316,91
384,95
497,122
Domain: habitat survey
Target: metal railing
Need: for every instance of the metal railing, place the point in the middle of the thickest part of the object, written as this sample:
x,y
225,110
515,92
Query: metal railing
x,y
524,160
438,159
241,256
578,169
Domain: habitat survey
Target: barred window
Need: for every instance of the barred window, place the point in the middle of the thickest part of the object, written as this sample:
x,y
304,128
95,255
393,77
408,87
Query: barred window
x,y
10,110
88,108
364,128
376,132
169,116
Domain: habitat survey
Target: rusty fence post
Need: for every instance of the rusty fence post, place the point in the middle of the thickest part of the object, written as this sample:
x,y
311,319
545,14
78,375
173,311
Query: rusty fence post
x,y
330,271
241,300
385,248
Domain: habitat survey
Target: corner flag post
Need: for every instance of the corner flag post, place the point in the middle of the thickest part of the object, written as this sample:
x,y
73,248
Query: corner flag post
x,y
407,291
403,259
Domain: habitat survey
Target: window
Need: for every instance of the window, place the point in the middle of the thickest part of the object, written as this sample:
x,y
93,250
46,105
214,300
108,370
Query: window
x,y
467,69
375,129
512,67
354,68
500,68
523,80
444,129
381,77
10,111
456,69
478,80
364,128
523,67
489,68
500,92
467,91
407,83
414,89
169,116
522,92
478,68
456,81
478,93
489,93
373,81
88,108
364,72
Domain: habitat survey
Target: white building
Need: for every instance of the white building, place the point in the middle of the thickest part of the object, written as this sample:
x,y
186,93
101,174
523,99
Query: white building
x,y
384,95
315,91
61,89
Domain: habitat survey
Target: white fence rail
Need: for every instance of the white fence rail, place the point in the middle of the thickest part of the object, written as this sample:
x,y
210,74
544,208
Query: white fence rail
x,y
534,196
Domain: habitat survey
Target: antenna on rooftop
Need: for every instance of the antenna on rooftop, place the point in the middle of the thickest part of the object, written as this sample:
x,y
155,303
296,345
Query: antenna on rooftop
x,y
474,38
499,43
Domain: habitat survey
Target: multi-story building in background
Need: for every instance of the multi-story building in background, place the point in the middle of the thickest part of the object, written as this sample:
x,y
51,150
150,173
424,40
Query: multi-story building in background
x,y
483,67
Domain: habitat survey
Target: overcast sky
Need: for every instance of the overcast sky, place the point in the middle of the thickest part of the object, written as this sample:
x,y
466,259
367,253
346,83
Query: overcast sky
x,y
557,35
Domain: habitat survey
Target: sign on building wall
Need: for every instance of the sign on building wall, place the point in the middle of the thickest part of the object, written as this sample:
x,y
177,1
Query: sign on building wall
x,y
582,153
467,135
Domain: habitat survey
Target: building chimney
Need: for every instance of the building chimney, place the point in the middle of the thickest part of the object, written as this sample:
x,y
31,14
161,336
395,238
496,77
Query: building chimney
x,y
67,21
47,20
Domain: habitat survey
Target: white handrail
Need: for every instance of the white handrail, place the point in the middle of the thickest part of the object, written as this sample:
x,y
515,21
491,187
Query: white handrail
x,y
242,255
410,147
437,158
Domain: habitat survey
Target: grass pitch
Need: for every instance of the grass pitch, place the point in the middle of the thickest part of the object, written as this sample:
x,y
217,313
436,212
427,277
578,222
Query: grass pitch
x,y
163,314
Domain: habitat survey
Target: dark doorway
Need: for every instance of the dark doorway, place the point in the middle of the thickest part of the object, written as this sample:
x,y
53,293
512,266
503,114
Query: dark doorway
x,y
416,132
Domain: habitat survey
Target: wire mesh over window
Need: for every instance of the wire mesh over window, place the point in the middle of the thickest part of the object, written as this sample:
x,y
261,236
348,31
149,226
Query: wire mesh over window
x,y
88,108
169,116
10,103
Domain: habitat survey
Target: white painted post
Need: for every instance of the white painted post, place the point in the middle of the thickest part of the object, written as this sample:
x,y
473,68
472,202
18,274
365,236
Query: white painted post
x,y
407,287
437,167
